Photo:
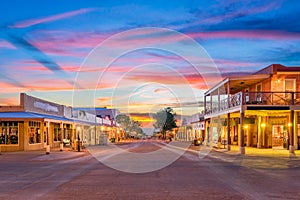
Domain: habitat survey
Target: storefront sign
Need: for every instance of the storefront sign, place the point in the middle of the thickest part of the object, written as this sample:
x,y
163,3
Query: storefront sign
x,y
45,106
106,121
32,104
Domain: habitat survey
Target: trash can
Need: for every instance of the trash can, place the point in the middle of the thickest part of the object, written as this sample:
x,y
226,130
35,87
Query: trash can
x,y
196,142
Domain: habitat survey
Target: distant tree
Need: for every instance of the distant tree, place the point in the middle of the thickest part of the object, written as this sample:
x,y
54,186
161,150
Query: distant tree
x,y
124,121
130,126
165,120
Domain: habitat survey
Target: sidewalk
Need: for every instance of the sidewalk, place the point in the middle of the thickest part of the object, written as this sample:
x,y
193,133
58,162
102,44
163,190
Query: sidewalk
x,y
55,155
252,151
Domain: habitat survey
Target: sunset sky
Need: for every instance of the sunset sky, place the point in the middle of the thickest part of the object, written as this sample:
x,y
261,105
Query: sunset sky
x,y
96,53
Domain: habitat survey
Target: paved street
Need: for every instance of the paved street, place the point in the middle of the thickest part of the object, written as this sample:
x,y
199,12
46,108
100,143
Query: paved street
x,y
82,175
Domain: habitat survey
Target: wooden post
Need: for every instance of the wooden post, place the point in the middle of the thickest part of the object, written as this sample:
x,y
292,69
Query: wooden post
x,y
242,147
291,132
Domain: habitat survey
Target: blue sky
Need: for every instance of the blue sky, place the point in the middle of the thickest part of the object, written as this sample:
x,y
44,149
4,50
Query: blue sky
x,y
44,45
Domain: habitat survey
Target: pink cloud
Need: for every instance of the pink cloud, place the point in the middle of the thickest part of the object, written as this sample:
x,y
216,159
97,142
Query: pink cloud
x,y
9,101
49,85
31,22
6,44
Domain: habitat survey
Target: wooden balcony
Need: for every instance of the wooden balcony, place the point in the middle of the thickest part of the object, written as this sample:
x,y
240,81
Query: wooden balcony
x,y
253,98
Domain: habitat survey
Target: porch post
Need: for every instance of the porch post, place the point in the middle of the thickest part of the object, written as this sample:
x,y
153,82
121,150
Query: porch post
x,y
219,100
228,132
296,131
204,105
228,117
47,139
62,132
291,132
242,147
259,124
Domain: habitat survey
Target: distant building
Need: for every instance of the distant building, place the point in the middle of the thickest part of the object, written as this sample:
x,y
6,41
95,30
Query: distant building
x,y
191,127
101,112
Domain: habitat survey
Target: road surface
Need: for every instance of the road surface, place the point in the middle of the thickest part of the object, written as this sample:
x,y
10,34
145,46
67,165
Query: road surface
x,y
80,175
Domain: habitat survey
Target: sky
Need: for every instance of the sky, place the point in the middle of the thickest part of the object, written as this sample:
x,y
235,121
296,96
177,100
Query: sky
x,y
139,56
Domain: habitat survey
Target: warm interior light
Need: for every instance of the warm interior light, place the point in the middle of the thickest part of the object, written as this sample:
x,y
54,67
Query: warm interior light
x,y
263,125
290,124
246,126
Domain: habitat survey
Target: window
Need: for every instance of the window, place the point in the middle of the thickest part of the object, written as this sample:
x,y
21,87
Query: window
x,y
258,90
247,95
57,132
290,85
9,133
34,131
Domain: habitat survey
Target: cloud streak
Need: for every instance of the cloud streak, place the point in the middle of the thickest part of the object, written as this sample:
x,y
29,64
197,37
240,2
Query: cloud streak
x,y
52,18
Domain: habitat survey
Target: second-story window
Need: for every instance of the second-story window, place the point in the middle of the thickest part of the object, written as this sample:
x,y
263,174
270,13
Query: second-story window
x,y
258,92
290,85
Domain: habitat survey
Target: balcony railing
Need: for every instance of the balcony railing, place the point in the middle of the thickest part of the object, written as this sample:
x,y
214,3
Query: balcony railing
x,y
255,98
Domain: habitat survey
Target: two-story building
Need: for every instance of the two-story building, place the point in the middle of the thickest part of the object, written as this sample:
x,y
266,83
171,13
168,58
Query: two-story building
x,y
259,110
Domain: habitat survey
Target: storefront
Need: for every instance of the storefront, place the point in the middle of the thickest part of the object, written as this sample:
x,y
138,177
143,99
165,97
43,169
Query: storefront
x,y
33,124
36,124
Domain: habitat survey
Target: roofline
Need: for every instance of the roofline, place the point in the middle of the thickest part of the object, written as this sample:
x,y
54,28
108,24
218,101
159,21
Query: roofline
x,y
234,78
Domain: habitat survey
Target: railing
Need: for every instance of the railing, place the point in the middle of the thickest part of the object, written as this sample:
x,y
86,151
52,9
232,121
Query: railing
x,y
231,102
255,98
272,98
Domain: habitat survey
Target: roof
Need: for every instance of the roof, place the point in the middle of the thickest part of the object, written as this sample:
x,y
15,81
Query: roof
x,y
238,83
30,115
90,108
274,68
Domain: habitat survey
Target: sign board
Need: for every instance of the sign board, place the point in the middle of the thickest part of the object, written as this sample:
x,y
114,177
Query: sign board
x,y
33,104
106,121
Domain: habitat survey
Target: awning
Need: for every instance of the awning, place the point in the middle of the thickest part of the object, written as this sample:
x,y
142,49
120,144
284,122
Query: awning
x,y
30,115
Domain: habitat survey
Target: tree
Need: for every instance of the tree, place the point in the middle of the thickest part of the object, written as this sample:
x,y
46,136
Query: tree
x,y
124,121
130,126
165,120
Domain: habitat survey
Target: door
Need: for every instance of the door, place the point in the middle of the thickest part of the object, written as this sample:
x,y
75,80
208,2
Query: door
x,y
258,93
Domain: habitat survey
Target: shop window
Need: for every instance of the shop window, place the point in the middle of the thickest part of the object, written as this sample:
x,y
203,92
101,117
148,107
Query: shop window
x,y
9,133
34,132
57,132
